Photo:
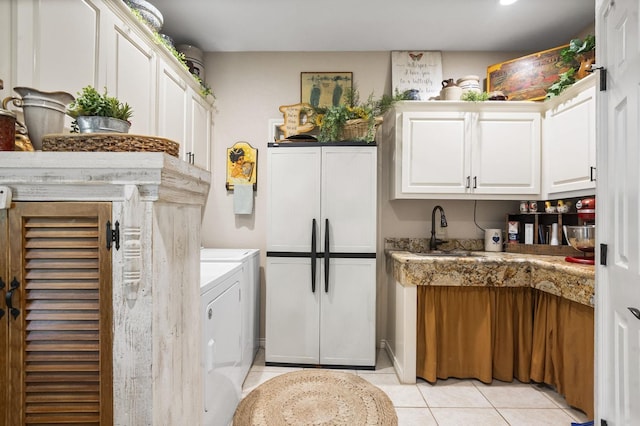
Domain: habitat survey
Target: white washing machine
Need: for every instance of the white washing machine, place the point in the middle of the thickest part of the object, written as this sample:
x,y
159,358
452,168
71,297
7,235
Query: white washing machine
x,y
250,259
221,316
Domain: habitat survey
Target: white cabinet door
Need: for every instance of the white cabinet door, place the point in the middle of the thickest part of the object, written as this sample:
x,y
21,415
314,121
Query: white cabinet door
x,y
435,155
200,132
294,198
569,143
292,311
172,106
349,199
505,153
347,313
134,80
59,44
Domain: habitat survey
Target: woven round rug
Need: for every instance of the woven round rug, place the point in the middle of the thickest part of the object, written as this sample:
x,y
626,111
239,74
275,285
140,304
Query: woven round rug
x,y
315,397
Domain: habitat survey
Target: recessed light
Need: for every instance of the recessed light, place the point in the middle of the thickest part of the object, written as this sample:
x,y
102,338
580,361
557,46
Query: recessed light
x,y
507,2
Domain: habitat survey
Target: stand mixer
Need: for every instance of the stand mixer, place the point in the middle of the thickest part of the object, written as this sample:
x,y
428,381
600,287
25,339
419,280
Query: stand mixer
x,y
583,237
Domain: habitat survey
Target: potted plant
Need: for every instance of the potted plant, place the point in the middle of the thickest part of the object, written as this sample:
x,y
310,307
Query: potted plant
x,y
354,120
94,112
579,56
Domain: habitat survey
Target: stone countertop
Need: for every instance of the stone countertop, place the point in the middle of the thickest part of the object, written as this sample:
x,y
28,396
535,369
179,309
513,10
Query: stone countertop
x,y
551,274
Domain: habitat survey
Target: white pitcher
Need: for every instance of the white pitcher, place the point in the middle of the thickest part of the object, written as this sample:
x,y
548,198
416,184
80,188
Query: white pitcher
x,y
43,111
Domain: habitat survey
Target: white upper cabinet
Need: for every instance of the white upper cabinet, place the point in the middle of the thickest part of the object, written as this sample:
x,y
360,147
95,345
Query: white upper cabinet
x,y
505,153
59,44
173,97
465,150
65,45
200,120
569,146
134,80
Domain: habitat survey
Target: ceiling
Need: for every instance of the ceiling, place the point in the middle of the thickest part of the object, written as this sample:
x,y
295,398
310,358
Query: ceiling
x,y
374,25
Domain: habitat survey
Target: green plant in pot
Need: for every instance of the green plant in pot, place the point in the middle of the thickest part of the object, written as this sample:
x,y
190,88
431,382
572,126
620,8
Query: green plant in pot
x,y
579,56
95,112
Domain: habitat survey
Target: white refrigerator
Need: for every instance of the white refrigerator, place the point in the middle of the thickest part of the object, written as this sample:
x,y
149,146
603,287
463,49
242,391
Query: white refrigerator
x,y
321,254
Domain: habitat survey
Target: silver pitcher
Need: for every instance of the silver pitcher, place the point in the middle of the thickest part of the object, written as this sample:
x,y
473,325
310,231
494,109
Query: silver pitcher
x,y
43,111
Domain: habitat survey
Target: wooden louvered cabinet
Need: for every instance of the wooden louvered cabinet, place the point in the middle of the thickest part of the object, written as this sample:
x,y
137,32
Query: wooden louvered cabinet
x,y
55,325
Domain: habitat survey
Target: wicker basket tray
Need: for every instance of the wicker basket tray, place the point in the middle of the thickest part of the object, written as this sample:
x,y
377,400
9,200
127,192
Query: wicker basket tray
x,y
356,130
109,142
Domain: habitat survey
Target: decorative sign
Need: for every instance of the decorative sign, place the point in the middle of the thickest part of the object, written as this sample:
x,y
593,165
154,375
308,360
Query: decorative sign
x,y
242,160
297,119
528,77
421,71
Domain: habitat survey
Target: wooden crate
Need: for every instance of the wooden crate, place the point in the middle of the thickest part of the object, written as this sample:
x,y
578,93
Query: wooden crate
x,y
540,219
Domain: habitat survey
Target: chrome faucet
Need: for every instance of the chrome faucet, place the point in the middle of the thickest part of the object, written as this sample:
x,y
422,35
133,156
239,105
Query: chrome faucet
x,y
433,242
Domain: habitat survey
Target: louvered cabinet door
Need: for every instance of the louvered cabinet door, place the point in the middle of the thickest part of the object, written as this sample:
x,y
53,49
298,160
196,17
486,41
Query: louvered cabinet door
x,y
60,340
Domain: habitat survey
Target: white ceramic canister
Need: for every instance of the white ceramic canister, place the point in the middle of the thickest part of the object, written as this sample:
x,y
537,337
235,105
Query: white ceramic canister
x,y
493,240
194,57
469,83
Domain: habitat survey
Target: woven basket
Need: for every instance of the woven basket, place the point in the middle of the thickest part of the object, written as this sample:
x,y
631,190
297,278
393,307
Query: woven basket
x,y
357,129
109,142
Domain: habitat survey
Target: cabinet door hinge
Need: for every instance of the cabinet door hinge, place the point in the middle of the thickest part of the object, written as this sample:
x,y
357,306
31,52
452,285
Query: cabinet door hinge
x,y
603,254
113,235
603,76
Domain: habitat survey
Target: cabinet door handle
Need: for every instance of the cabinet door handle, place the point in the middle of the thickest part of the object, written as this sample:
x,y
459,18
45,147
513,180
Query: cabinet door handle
x,y
468,182
327,252
314,256
592,177
635,312
475,182
9,298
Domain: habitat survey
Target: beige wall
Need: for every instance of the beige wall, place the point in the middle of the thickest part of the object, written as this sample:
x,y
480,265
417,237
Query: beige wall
x,y
250,87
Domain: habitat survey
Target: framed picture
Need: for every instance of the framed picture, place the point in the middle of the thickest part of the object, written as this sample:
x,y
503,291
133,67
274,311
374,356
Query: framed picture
x,y
275,134
242,161
528,77
420,71
324,89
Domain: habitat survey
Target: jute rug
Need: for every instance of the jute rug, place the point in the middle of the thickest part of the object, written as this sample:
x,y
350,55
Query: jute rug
x,y
315,397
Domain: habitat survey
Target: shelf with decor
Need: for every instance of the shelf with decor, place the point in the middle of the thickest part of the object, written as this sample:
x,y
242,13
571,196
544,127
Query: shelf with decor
x,y
542,228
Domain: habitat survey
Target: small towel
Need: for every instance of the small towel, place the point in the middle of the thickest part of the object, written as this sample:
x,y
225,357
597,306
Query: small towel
x,y
242,198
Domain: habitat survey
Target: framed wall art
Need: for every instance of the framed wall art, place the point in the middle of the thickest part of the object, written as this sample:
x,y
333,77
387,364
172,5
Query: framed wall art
x,y
324,89
417,70
527,77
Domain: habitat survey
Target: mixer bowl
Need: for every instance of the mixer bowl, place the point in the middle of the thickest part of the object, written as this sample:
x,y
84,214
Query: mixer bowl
x,y
582,238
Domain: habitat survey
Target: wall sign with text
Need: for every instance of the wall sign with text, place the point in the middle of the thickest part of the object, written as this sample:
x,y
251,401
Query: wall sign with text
x,y
417,70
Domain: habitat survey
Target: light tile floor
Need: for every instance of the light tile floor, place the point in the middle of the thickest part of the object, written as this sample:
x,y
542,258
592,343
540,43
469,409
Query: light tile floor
x,y
453,401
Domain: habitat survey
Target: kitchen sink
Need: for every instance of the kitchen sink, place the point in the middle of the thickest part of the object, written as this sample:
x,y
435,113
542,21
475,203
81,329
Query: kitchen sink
x,y
451,253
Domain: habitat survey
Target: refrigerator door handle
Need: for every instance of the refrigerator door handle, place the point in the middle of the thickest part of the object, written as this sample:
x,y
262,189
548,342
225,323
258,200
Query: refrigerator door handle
x,y
314,256
326,256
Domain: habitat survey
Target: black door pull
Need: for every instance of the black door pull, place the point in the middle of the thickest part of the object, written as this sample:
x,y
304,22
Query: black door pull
x,y
327,253
9,296
314,256
635,312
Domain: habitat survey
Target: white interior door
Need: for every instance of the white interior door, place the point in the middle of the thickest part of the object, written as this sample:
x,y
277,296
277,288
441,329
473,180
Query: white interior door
x,y
618,222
